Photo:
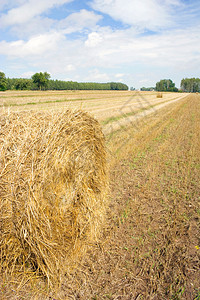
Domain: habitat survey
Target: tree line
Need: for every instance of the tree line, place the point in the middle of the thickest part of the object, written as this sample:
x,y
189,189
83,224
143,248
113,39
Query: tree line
x,y
191,85
42,81
166,85
188,85
147,89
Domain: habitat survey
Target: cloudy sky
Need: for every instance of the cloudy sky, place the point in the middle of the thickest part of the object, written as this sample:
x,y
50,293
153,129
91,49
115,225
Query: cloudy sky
x,y
137,42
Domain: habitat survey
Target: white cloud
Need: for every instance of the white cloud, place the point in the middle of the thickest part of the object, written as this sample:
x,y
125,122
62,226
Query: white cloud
x,y
36,25
28,74
170,48
6,4
37,45
94,39
3,4
96,75
99,53
76,22
28,10
150,14
144,81
79,20
119,75
177,50
69,67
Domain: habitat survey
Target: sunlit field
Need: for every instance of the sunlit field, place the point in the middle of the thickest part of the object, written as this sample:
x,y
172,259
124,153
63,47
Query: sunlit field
x,y
150,242
101,104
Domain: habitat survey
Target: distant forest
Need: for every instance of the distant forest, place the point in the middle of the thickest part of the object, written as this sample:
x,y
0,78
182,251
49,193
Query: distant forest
x,y
42,81
188,85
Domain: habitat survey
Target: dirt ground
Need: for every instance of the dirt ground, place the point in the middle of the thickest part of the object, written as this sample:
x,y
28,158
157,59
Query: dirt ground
x,y
150,244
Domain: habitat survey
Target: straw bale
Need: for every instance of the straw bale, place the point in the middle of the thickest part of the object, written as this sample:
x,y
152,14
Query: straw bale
x,y
52,189
159,95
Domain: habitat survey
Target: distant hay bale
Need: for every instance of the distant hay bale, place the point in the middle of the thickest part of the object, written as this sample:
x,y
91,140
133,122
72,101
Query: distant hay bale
x,y
159,95
52,189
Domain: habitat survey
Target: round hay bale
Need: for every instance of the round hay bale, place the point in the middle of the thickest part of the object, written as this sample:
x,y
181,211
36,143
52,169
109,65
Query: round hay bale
x,y
52,189
159,95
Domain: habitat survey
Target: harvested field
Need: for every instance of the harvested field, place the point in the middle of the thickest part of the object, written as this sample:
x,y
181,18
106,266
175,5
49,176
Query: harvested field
x,y
150,248
104,105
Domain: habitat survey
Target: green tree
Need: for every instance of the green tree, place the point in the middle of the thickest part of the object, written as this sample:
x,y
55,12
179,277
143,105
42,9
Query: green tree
x,y
41,80
147,89
118,86
166,85
190,85
3,82
23,84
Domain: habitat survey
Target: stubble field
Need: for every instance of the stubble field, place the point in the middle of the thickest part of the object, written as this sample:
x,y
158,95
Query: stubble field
x,y
150,245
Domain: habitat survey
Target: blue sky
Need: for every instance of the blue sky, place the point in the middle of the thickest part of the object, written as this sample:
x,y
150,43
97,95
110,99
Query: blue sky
x,y
132,41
